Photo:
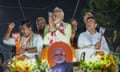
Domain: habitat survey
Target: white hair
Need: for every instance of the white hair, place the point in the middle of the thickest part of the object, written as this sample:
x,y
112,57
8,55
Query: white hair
x,y
59,9
37,21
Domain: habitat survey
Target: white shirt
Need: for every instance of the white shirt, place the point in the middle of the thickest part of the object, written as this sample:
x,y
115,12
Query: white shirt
x,y
36,42
86,39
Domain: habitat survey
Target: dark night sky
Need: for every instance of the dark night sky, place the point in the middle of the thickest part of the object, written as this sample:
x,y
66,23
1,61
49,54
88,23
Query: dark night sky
x,y
10,10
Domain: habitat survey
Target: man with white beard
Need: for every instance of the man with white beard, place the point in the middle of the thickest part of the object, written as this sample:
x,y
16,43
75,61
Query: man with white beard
x,y
57,30
61,64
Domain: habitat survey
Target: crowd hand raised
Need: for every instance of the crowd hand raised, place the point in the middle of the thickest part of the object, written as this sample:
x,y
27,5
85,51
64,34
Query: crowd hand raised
x,y
51,23
11,26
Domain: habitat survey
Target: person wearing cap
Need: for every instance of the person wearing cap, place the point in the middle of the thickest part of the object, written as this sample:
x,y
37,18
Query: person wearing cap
x,y
28,44
57,30
61,64
91,41
40,23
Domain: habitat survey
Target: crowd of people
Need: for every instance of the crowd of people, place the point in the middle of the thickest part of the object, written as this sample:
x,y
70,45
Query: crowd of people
x,y
29,44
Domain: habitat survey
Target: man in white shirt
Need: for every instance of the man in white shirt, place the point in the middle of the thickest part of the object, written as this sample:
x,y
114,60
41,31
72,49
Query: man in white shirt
x,y
91,41
28,44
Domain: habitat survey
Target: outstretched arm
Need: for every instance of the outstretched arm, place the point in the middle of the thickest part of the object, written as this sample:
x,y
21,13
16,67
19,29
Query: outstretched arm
x,y
10,28
7,40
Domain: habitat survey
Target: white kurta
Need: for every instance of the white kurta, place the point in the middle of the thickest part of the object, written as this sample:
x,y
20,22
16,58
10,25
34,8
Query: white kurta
x,y
58,35
86,39
36,42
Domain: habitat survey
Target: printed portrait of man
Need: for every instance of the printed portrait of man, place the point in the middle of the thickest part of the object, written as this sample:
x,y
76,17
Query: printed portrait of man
x,y
60,54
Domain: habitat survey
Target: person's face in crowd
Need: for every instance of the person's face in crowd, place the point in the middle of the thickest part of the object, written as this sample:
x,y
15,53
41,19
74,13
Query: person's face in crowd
x,y
57,17
41,23
91,24
87,14
74,23
26,31
59,56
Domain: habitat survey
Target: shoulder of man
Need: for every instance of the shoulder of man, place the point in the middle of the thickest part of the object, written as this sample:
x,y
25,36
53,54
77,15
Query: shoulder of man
x,y
82,33
67,24
37,35
98,33
46,30
69,67
47,26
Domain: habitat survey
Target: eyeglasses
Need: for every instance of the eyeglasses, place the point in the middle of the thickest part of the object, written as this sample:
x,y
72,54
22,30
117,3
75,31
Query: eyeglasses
x,y
91,21
59,55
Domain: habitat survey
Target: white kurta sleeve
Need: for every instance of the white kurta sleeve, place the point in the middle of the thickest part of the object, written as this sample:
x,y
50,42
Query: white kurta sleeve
x,y
46,39
39,44
68,32
10,41
80,42
104,46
